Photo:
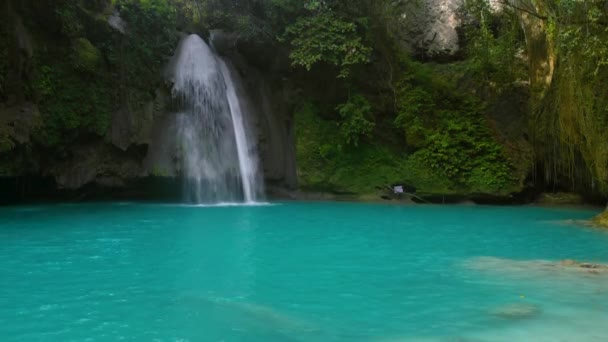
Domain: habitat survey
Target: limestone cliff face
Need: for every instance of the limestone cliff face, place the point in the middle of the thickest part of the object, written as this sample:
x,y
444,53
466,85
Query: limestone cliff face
x,y
430,28
140,140
541,51
115,155
265,72
272,114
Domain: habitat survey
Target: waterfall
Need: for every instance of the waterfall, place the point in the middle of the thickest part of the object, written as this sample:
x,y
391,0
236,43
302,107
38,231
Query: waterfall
x,y
217,158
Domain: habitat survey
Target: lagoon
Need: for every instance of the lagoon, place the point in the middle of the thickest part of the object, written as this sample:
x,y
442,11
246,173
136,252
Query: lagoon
x,y
299,272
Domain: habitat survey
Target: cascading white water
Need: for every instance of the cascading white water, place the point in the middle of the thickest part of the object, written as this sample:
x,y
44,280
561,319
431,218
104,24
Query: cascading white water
x,y
218,161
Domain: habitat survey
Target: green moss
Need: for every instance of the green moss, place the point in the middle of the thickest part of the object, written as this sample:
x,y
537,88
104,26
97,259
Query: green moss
x,y
73,105
149,42
6,144
68,16
427,180
85,56
601,219
159,171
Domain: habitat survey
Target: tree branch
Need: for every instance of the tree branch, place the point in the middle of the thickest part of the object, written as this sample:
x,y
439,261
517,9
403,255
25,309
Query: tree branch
x,y
534,13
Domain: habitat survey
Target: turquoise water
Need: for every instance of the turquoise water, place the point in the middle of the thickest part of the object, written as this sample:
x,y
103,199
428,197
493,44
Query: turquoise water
x,y
297,272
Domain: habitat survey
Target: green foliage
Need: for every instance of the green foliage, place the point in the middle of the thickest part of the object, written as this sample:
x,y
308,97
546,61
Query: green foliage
x,y
82,69
330,32
494,45
434,136
463,150
415,112
450,134
325,165
583,44
326,38
456,160
427,180
356,121
71,25
570,121
150,40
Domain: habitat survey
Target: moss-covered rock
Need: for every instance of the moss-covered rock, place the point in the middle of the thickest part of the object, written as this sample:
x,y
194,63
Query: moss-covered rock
x,y
73,104
560,198
601,219
85,56
3,57
78,73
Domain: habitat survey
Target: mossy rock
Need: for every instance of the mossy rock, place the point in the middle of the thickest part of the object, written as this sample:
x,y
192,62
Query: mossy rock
x,y
601,219
560,198
6,144
85,56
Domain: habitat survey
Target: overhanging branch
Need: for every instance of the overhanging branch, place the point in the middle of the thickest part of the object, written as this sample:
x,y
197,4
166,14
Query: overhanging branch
x,y
516,5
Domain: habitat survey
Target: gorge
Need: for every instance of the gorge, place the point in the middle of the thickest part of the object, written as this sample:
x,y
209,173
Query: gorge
x,y
453,99
303,170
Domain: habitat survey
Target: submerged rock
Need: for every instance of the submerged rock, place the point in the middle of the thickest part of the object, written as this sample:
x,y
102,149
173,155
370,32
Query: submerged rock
x,y
567,266
433,339
254,315
517,311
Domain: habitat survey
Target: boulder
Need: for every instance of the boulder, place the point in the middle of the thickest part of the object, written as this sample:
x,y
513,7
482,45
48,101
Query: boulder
x,y
601,220
96,163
